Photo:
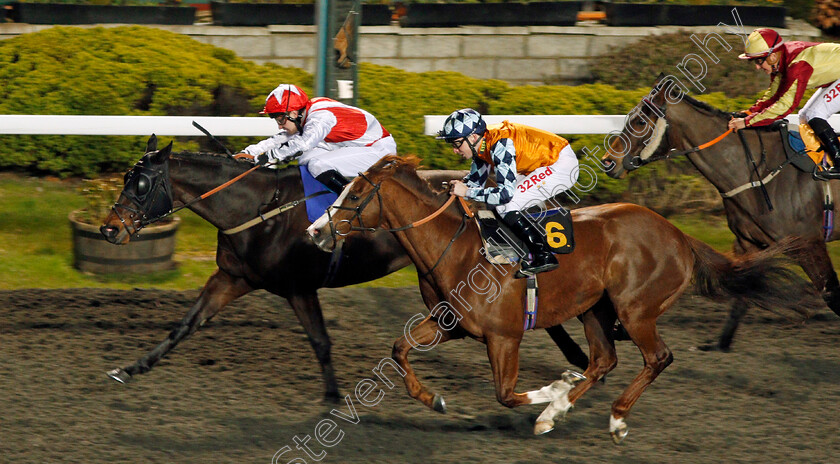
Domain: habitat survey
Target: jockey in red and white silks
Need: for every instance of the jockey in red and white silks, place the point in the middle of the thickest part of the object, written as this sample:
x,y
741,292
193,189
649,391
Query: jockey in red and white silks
x,y
335,141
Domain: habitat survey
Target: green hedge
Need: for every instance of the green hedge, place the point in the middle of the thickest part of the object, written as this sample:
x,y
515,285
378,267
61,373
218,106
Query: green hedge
x,y
119,71
146,71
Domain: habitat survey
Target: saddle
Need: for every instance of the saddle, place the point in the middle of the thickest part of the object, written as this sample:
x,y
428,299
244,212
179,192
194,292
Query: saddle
x,y
799,154
501,246
807,160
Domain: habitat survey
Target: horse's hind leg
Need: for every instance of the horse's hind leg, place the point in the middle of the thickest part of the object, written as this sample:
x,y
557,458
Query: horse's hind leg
x,y
423,336
737,311
570,349
220,289
308,311
657,357
814,259
603,359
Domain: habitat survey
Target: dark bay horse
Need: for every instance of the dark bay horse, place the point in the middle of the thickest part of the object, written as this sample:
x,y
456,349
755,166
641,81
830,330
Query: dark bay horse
x,y
275,255
670,120
629,263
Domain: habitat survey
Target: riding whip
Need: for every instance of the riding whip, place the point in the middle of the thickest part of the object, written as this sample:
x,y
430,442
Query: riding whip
x,y
207,133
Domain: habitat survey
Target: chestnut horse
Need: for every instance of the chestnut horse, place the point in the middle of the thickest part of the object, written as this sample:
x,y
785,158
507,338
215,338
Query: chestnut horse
x,y
670,123
274,255
629,263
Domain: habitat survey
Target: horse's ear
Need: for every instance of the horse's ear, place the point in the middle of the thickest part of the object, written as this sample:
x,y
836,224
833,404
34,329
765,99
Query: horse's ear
x,y
151,145
660,77
163,154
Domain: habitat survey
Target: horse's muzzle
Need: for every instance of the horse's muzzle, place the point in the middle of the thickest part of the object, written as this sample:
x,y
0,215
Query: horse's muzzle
x,y
110,233
323,240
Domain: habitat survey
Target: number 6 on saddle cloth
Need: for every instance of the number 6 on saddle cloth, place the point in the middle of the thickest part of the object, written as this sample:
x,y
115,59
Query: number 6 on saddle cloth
x,y
501,246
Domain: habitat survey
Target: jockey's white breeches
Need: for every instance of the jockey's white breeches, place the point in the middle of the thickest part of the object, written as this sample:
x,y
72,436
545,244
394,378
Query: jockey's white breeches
x,y
543,183
823,103
348,161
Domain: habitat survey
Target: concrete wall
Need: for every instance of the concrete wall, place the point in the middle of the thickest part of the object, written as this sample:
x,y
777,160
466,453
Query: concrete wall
x,y
519,55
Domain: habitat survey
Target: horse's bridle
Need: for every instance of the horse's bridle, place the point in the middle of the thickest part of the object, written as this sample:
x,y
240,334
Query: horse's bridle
x,y
636,161
146,207
358,209
152,200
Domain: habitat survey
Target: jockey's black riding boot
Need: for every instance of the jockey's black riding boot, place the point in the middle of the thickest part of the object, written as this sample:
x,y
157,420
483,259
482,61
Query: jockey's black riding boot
x,y
333,180
831,146
542,258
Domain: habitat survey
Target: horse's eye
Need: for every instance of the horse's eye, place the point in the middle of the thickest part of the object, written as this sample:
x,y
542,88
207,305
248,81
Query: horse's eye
x,y
353,197
143,185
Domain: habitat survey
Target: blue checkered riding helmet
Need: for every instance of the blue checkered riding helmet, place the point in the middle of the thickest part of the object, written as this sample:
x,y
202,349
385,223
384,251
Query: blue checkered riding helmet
x,y
462,123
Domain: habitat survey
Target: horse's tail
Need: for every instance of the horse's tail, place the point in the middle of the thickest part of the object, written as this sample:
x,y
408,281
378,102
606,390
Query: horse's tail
x,y
761,278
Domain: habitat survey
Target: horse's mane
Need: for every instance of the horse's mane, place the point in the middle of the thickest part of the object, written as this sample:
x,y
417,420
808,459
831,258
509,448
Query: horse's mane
x,y
406,165
705,107
216,159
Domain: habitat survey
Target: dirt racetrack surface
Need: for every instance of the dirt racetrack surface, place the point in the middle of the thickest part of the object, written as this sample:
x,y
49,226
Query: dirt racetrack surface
x,y
247,383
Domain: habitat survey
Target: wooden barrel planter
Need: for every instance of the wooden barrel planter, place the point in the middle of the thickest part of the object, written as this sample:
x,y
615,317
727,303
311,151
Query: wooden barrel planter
x,y
151,251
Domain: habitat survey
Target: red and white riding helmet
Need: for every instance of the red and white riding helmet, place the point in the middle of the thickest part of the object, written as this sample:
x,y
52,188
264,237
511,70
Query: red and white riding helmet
x,y
285,98
761,43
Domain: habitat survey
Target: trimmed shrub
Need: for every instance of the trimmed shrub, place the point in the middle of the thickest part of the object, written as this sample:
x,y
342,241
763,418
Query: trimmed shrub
x,y
146,71
638,64
119,71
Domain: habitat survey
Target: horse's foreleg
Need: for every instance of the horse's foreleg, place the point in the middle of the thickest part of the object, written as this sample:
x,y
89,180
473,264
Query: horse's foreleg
x,y
308,311
220,289
424,336
571,350
503,351
657,357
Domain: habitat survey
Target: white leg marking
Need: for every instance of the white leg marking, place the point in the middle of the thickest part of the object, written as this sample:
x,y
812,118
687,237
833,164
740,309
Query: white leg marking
x,y
615,423
558,394
618,429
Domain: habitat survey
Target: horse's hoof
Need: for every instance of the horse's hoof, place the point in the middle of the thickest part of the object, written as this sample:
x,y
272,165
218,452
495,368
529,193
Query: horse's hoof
x,y
713,347
120,375
619,433
438,404
542,427
572,378
332,397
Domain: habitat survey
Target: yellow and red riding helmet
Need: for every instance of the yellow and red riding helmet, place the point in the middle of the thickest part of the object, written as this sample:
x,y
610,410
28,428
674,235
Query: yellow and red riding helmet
x,y
761,43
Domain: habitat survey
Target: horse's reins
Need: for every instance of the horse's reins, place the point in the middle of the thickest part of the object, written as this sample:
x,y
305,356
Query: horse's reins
x,y
468,214
749,185
262,217
203,196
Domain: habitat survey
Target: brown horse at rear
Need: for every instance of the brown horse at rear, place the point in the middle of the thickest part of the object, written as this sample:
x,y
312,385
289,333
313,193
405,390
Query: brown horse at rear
x,y
629,263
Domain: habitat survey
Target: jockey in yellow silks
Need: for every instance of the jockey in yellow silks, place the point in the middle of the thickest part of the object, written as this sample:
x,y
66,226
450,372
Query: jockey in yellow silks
x,y
531,167
794,67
